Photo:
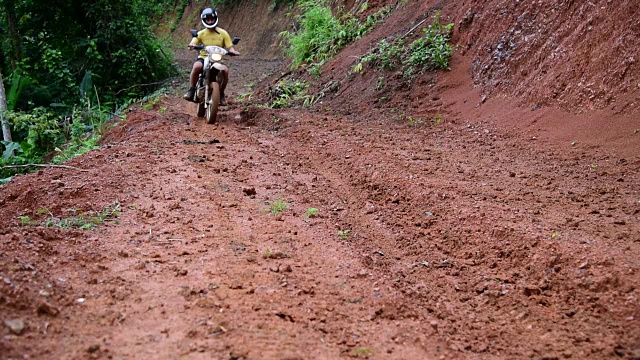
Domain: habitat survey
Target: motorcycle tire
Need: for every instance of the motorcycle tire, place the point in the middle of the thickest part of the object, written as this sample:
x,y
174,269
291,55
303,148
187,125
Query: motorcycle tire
x,y
214,101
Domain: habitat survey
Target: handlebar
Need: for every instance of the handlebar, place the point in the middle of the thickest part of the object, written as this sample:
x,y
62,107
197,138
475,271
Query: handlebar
x,y
201,47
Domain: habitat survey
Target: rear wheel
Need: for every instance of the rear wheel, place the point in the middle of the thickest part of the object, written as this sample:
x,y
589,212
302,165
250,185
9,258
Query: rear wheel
x,y
214,101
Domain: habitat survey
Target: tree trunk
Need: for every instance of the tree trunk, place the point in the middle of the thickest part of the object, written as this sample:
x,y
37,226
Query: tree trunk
x,y
6,131
12,21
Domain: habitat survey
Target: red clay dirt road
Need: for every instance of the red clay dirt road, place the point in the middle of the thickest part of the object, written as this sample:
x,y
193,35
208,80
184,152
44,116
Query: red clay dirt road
x,y
453,220
449,240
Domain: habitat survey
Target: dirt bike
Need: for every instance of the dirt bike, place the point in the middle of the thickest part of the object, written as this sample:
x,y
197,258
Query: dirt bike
x,y
207,94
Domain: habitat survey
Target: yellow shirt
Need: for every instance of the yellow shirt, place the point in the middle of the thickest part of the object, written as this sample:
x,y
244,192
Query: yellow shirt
x,y
208,37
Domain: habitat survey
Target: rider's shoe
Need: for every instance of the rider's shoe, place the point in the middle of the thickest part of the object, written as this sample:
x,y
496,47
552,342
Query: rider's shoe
x,y
189,94
223,101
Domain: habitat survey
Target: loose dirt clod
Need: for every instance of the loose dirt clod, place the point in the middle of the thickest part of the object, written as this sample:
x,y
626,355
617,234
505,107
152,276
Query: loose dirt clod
x,y
16,326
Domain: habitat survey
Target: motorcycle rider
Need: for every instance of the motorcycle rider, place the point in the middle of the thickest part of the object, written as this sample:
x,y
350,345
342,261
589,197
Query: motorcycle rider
x,y
212,35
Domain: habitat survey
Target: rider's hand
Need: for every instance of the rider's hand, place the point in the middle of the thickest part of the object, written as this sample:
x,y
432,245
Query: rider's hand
x,y
191,46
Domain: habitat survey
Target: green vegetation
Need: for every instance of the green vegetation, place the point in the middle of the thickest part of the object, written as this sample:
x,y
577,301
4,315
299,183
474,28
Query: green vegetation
x,y
287,91
321,35
275,4
179,13
62,57
245,97
268,254
69,68
386,55
24,220
344,234
365,352
82,135
434,121
278,206
413,122
78,220
310,213
429,52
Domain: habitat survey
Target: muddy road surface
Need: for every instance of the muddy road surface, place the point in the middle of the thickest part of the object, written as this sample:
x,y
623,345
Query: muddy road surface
x,y
316,234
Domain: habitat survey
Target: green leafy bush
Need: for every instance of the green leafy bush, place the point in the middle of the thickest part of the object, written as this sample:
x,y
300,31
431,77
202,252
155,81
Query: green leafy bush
x,y
77,219
287,91
113,39
274,3
321,35
58,61
386,55
39,128
433,50
429,52
43,132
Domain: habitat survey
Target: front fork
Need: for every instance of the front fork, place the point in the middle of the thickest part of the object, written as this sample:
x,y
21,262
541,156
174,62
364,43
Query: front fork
x,y
208,76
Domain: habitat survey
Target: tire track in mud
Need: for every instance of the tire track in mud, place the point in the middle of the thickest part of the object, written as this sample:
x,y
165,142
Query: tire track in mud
x,y
510,222
339,293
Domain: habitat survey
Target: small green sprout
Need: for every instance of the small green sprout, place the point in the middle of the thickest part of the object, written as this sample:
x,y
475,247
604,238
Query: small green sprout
x,y
413,122
344,234
357,68
364,352
278,206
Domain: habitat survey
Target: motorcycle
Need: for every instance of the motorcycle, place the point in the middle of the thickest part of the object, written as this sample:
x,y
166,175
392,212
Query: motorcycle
x,y
207,94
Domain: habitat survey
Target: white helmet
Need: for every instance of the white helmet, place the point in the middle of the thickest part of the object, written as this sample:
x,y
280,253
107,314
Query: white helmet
x,y
209,13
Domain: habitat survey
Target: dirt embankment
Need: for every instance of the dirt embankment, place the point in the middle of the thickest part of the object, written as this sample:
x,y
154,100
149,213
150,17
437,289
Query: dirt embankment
x,y
567,70
577,55
494,225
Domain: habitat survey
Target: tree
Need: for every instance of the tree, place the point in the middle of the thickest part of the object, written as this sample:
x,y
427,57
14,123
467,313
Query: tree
x,y
6,131
110,42
15,52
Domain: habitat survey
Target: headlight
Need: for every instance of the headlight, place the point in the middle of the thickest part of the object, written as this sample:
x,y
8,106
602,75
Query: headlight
x,y
216,57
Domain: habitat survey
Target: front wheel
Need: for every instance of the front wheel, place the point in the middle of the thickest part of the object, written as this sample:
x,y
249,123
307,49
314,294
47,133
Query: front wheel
x,y
214,101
